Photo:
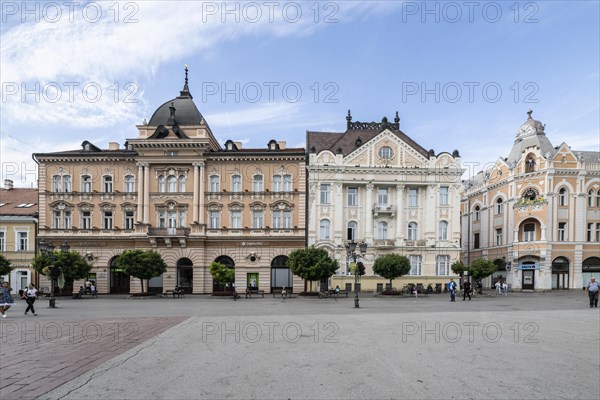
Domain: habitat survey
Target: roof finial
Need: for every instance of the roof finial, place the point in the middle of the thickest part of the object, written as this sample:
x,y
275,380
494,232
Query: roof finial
x,y
529,113
186,90
186,74
348,119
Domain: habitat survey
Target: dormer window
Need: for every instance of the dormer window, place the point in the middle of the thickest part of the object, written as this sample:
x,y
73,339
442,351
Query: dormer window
x,y
530,164
273,145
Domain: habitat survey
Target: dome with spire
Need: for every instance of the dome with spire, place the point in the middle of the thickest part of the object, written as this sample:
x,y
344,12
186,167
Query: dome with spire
x,y
180,111
531,127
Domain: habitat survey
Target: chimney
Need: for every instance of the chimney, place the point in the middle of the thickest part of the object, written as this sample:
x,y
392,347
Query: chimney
x,y
8,184
238,145
113,146
281,145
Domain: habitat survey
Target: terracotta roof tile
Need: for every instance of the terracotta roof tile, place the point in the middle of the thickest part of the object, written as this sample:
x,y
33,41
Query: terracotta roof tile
x,y
11,199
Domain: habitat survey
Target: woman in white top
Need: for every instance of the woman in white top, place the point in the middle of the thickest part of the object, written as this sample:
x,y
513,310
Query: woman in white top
x,y
30,296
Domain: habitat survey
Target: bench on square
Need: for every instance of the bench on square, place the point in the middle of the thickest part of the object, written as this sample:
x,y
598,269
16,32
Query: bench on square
x,y
175,292
278,293
250,292
331,293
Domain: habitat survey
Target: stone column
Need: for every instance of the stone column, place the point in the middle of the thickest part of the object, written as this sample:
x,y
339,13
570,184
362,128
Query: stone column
x,y
196,192
146,193
369,214
140,193
399,214
202,214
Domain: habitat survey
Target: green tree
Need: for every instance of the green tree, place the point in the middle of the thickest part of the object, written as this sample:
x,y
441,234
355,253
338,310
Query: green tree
x,y
391,266
481,268
72,264
141,264
221,273
458,268
312,264
5,267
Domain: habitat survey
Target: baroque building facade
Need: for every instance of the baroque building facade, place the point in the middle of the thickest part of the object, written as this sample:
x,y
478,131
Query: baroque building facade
x,y
174,189
536,214
18,228
375,184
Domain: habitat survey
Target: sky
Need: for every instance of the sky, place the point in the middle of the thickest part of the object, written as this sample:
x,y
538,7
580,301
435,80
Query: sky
x,y
462,75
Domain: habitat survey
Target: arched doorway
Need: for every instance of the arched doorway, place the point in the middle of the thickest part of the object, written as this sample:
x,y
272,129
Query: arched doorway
x,y
590,267
500,274
119,280
185,275
219,286
281,276
528,266
560,273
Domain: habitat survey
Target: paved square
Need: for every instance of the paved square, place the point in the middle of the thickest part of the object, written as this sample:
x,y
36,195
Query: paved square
x,y
535,346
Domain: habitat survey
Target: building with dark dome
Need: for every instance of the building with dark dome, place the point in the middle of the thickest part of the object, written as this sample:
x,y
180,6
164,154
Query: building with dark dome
x,y
536,214
176,190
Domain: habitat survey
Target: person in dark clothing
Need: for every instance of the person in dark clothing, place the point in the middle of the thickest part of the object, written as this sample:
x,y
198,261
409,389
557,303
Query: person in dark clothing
x,y
30,296
466,290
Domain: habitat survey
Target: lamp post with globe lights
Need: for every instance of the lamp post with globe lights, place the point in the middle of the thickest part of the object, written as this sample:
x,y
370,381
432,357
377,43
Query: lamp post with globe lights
x,y
351,251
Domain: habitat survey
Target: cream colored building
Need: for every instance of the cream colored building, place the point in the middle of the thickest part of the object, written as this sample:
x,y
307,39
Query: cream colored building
x,y
176,190
374,183
18,226
536,212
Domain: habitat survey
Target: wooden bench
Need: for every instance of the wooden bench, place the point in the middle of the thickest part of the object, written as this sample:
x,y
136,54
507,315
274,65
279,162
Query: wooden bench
x,y
178,293
278,293
249,293
331,293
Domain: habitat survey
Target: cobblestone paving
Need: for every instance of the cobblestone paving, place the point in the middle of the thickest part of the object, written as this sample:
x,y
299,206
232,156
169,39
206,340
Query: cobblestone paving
x,y
37,356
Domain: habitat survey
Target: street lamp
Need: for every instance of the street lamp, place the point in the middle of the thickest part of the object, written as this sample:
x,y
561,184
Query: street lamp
x,y
47,249
351,251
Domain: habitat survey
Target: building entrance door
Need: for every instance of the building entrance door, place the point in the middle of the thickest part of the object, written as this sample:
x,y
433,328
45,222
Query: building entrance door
x,y
528,279
119,281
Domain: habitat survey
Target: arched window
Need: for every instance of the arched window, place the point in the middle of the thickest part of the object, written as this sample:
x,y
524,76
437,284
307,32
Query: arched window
x,y
86,184
477,213
443,234
257,183
161,183
171,184
562,197
182,180
412,231
324,229
382,230
352,230
129,184
499,206
107,183
529,232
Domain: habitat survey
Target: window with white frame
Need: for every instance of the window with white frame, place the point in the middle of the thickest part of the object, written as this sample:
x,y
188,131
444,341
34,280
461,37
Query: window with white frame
x,y
598,198
277,183
287,219
385,152
287,183
171,184
67,219
444,195
86,220
236,183
324,229
257,219
598,232
282,218
443,233
107,183
56,219
128,221
67,183
236,219
182,215
529,232
382,197
107,220
86,184
325,192
171,219
2,241
590,232
413,197
562,227
257,183
352,196
590,201
382,230
56,183
442,265
562,197
214,183
499,237
61,219
22,241
477,214
352,230
412,231
161,183
215,220
129,181
499,206
415,265
162,220
182,180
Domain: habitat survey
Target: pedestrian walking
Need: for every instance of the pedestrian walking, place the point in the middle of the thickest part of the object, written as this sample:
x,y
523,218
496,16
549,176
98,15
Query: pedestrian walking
x,y
593,289
30,297
505,288
452,289
467,290
6,300
498,286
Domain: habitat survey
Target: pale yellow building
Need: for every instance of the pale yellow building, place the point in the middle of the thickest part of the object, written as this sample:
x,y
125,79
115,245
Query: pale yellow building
x,y
536,214
18,226
174,189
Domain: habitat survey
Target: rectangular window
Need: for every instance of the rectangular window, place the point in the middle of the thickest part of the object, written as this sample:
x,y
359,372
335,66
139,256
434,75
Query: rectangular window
x,y
287,183
442,265
499,237
258,183
415,265
324,229
128,220
129,184
590,232
413,197
597,232
277,220
257,219
236,219
215,220
86,220
107,220
214,183
287,220
325,190
67,219
236,183
182,215
561,231
476,241
382,197
108,188
2,242
22,241
56,183
443,195
162,221
277,183
86,184
352,196
67,183
56,220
